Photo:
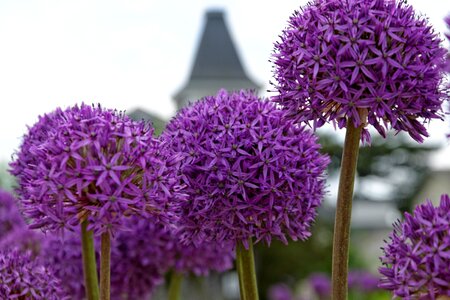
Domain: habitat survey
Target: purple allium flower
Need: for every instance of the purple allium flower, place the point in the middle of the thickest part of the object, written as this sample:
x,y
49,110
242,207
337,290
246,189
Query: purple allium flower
x,y
280,291
368,61
417,258
91,163
142,255
63,254
249,172
362,280
10,217
23,239
139,259
321,284
24,278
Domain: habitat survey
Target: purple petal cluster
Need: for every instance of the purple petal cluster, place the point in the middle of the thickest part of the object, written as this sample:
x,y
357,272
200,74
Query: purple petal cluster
x,y
95,164
367,61
248,171
142,255
24,278
139,259
363,281
321,284
417,258
23,239
63,254
10,217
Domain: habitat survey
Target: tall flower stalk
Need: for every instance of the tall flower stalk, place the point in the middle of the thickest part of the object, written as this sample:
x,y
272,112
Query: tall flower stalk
x,y
89,263
250,174
358,64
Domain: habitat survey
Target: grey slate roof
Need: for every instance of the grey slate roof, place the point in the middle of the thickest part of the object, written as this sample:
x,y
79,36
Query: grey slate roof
x,y
216,64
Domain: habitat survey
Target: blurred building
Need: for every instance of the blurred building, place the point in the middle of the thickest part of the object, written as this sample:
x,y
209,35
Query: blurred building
x,y
216,64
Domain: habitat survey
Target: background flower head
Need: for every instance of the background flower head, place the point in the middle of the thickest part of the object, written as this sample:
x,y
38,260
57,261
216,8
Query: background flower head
x,y
90,163
21,277
248,171
10,217
368,61
416,261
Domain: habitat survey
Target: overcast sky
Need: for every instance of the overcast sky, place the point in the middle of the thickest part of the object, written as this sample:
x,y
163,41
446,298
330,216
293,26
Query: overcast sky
x,y
129,53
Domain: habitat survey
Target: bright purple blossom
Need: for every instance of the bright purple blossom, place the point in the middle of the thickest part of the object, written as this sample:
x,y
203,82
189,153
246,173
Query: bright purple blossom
x,y
417,258
249,172
24,278
10,217
366,61
91,163
321,284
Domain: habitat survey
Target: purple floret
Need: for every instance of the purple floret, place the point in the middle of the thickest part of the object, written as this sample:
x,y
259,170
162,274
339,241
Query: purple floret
x,y
10,217
371,62
321,284
249,172
417,257
24,278
90,163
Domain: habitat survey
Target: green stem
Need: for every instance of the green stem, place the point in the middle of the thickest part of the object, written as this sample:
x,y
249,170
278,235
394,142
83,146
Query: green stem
x,y
341,238
175,286
105,273
246,271
89,263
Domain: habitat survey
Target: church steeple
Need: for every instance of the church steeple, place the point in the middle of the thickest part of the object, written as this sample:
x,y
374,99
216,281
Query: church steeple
x,y
216,65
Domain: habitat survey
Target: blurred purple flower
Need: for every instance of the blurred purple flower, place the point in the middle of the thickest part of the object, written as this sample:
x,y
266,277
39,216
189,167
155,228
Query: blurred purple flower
x,y
91,163
280,291
24,278
23,239
368,61
10,217
249,172
417,258
362,280
63,254
321,284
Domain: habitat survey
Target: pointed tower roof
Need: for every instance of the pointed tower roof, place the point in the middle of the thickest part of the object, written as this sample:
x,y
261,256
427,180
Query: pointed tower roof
x,y
217,64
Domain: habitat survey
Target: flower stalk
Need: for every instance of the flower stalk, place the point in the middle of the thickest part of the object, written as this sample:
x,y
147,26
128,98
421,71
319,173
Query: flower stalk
x,y
175,286
246,270
341,238
89,263
105,261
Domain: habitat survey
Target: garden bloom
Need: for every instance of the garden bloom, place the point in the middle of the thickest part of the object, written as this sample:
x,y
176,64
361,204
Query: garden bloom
x,y
417,257
371,62
10,217
143,254
248,171
24,278
23,239
94,164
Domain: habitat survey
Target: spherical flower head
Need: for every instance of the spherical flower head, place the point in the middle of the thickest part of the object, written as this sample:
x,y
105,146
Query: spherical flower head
x,y
10,217
365,61
24,278
248,171
417,258
63,254
95,164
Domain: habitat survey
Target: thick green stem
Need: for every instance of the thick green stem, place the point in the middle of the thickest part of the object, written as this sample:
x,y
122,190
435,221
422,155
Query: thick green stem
x,y
105,273
344,211
246,271
175,286
89,263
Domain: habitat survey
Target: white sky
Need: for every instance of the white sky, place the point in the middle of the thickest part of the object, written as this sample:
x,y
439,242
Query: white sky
x,y
129,53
